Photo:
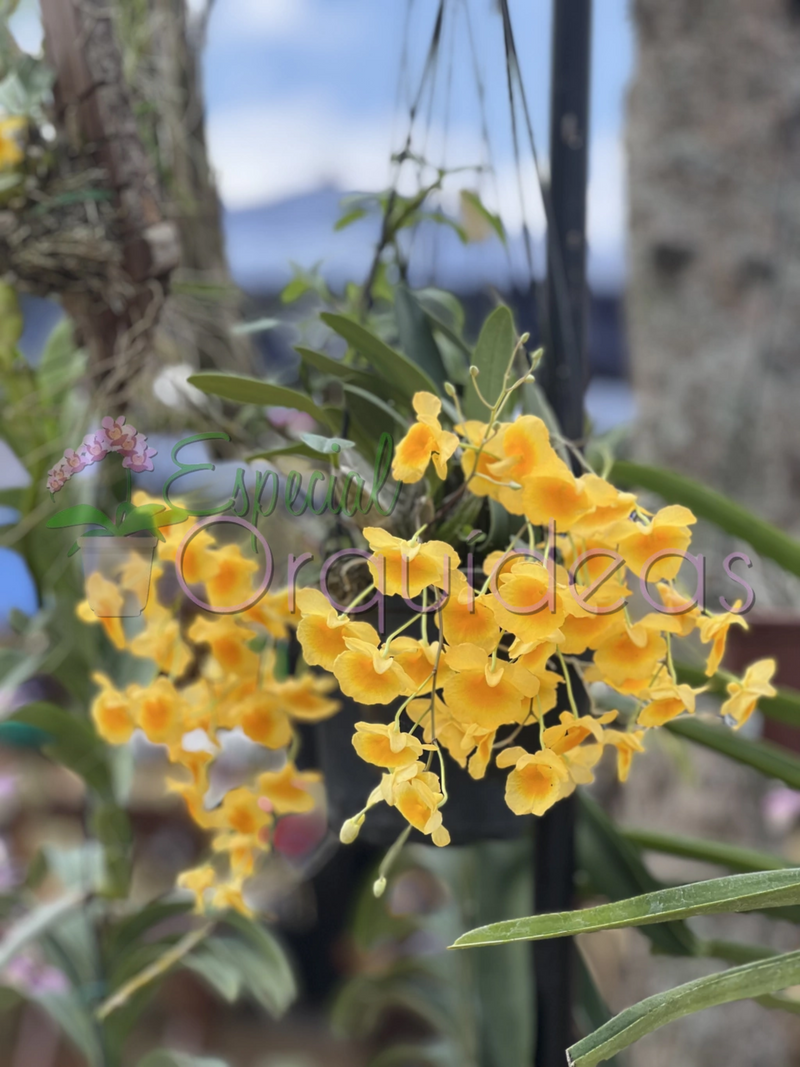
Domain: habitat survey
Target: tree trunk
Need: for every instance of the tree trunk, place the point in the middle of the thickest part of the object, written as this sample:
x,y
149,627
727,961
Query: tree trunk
x,y
714,292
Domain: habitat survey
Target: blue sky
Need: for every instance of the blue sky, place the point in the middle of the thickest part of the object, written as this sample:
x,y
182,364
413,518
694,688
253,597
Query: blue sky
x,y
302,93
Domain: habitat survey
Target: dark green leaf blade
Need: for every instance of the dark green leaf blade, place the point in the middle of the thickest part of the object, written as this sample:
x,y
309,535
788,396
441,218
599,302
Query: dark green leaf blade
x,y
734,893
406,377
492,357
245,390
416,336
738,983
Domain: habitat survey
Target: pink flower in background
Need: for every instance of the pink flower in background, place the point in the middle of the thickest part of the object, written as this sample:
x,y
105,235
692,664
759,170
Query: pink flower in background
x,y
94,447
139,458
781,807
34,977
119,436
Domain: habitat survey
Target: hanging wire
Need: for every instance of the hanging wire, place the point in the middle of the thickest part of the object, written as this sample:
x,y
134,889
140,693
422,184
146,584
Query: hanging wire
x,y
558,275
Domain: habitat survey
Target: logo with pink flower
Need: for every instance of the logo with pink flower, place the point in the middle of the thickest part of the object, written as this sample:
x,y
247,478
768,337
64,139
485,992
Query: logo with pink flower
x,y
117,550
113,436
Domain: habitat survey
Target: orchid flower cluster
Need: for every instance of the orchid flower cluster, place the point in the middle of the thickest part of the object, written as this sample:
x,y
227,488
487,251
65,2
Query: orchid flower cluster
x,y
552,611
114,435
213,673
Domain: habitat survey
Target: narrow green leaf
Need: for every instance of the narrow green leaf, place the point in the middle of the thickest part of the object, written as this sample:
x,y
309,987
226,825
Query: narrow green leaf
x,y
244,329
263,965
167,1058
616,870
36,923
771,760
244,390
69,1012
708,504
739,983
404,375
734,893
72,742
369,418
349,218
735,858
492,356
80,515
416,336
337,368
297,449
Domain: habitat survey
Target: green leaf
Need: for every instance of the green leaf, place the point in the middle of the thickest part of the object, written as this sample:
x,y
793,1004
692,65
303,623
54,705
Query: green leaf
x,y
80,515
405,376
130,931
264,968
369,418
326,446
69,1012
771,760
734,893
35,924
244,329
616,871
297,449
150,517
82,868
245,390
475,202
785,707
735,858
167,1058
350,217
708,504
492,357
337,368
71,742
738,983
416,336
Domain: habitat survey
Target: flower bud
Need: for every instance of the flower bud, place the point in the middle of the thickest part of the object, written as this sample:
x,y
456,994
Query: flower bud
x,y
474,371
450,389
379,888
350,829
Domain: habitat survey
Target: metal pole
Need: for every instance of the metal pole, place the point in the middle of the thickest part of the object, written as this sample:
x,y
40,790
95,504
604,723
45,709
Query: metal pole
x,y
565,378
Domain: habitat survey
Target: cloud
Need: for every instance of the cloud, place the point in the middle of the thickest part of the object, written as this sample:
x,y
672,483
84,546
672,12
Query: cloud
x,y
273,151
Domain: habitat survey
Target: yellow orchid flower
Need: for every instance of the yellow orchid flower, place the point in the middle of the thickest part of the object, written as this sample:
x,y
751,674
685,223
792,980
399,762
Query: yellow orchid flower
x,y
667,531
715,628
322,631
536,782
405,568
288,790
369,676
385,745
666,702
745,695
417,795
426,441
486,692
112,712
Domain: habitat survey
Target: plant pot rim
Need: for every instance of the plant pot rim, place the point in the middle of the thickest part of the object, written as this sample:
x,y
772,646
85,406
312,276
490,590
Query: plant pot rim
x,y
146,542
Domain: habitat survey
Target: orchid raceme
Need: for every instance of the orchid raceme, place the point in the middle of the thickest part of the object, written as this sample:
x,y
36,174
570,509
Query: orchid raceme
x,y
496,667
214,673
488,665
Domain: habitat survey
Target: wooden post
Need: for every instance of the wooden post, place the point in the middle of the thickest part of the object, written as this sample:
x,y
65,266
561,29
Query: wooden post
x,y
565,378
